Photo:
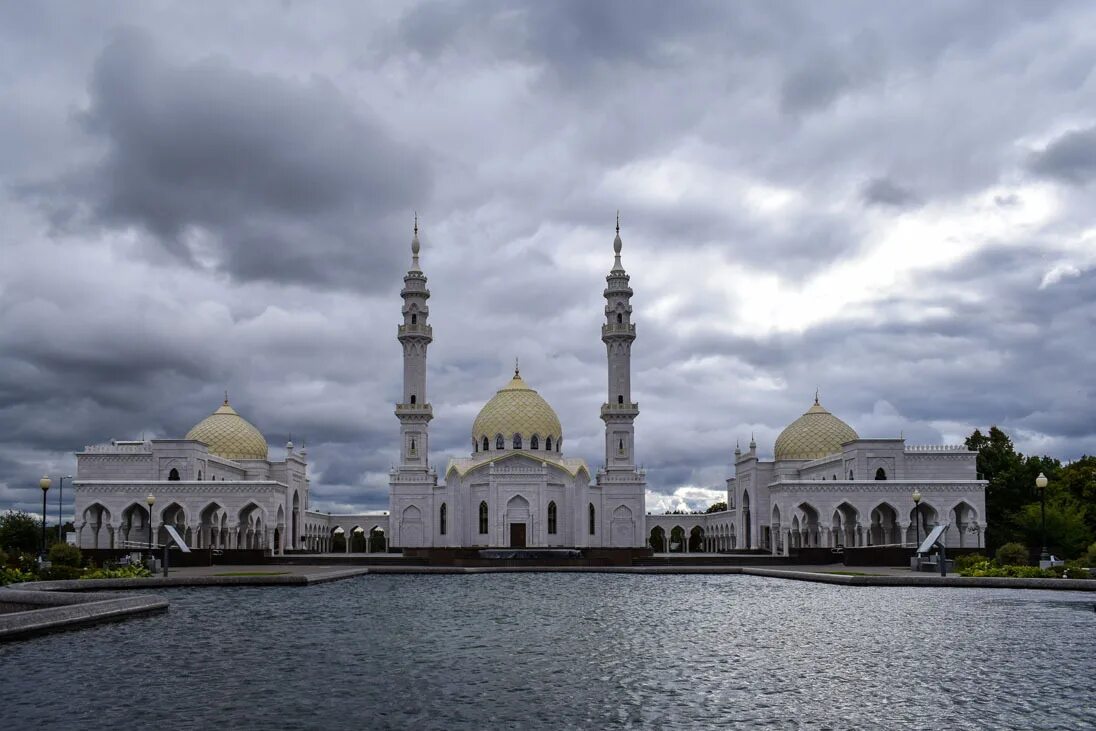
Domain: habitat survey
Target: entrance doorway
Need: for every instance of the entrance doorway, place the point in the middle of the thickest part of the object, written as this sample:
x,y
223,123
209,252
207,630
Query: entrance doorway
x,y
517,535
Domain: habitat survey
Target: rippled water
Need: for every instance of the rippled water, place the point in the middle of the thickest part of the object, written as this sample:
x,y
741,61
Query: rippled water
x,y
569,651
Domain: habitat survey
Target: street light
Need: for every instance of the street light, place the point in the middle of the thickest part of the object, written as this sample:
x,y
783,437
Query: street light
x,y
60,493
917,514
151,500
1041,484
44,483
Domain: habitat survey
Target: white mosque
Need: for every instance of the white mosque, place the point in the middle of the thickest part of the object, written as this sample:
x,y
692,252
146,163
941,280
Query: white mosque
x,y
825,487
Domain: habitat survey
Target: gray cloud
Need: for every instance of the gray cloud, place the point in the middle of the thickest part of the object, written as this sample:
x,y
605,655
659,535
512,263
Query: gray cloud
x,y
1070,158
885,192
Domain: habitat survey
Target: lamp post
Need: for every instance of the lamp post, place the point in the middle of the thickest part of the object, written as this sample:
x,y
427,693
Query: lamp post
x,y
917,515
1041,485
151,500
60,494
44,483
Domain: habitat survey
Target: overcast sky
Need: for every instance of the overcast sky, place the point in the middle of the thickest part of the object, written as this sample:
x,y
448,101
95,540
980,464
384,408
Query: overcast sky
x,y
891,202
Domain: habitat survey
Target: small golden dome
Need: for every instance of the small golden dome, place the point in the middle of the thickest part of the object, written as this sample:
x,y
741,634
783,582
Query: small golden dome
x,y
815,434
229,435
517,409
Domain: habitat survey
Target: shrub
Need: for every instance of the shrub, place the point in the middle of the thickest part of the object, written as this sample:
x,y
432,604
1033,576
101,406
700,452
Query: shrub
x,y
1012,554
989,568
136,571
965,562
1089,557
59,572
14,576
63,554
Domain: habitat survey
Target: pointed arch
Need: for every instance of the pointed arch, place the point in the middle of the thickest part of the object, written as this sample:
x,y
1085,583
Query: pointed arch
x,y
534,442
548,443
483,515
553,518
173,475
593,519
443,519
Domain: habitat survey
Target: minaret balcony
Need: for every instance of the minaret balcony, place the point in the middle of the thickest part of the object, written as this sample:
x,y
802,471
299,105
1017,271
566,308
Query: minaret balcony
x,y
618,328
416,411
620,411
416,329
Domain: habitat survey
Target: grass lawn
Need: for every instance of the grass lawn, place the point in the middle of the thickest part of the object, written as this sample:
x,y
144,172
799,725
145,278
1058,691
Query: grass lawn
x,y
253,573
846,573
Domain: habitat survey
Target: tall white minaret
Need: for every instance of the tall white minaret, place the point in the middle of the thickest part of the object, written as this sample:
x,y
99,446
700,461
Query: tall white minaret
x,y
618,332
414,411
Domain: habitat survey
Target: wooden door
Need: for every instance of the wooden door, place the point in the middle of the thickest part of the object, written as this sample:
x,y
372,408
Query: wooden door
x,y
517,535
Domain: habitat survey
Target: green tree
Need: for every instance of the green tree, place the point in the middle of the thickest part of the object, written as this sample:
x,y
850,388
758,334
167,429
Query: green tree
x,y
717,507
1078,479
1067,534
20,532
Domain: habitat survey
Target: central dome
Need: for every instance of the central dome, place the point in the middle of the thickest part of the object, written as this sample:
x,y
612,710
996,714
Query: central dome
x,y
229,435
815,434
517,409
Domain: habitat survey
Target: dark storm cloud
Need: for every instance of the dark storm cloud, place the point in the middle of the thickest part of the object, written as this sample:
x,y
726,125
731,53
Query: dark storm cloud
x,y
1070,158
885,192
286,180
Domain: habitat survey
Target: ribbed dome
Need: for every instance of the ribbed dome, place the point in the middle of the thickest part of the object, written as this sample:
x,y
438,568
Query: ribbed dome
x,y
817,433
229,435
517,409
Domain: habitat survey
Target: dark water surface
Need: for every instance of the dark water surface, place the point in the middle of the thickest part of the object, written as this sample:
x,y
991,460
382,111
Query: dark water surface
x,y
568,651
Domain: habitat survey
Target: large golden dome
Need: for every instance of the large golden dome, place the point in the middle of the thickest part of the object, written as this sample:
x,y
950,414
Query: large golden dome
x,y
815,434
229,435
517,409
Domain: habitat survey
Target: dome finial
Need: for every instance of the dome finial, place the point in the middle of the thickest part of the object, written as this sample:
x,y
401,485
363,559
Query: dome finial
x,y
617,243
816,395
517,368
226,397
415,245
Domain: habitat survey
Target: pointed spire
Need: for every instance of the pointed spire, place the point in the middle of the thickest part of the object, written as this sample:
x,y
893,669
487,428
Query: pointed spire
x,y
415,245
753,444
617,245
816,395
226,397
517,368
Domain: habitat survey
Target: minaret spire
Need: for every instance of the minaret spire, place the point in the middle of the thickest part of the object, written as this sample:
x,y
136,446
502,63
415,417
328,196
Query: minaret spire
x,y
415,245
617,246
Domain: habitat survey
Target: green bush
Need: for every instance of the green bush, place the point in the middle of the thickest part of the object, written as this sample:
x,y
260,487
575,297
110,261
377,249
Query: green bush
x,y
1012,554
1072,570
1089,557
63,554
991,569
14,576
60,572
121,572
965,562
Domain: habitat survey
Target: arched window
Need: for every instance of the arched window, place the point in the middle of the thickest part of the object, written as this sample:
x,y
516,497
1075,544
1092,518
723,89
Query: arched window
x,y
483,519
833,477
500,443
516,441
620,446
559,444
880,474
199,475
534,442
475,445
620,318
414,319
412,398
593,519
548,444
173,475
486,443
620,398
850,475
412,446
552,518
443,516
